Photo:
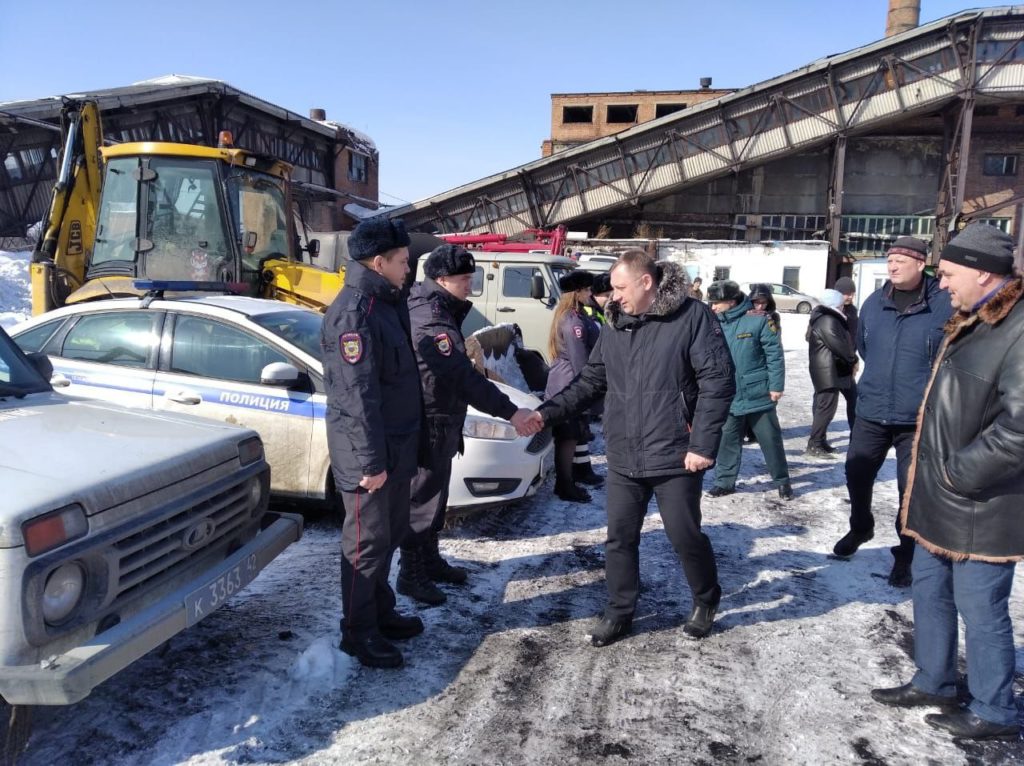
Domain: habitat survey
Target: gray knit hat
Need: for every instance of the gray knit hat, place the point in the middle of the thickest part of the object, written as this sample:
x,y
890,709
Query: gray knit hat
x,y
845,285
983,247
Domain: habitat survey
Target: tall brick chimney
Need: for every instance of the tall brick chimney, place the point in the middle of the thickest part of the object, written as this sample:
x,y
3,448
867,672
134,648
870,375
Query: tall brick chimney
x,y
903,15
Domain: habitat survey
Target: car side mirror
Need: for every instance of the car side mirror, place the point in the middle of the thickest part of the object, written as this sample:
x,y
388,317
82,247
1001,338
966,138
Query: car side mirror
x,y
42,364
279,374
249,241
313,248
537,287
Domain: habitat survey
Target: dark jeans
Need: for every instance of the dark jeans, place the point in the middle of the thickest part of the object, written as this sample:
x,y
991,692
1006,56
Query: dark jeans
x,y
980,592
765,425
824,409
679,503
375,523
869,444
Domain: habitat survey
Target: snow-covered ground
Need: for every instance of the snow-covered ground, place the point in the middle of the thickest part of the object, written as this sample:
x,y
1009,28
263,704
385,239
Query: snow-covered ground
x,y
15,301
504,672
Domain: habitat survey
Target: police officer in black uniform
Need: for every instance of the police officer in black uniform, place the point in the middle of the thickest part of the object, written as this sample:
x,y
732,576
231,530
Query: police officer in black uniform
x,y
437,308
374,412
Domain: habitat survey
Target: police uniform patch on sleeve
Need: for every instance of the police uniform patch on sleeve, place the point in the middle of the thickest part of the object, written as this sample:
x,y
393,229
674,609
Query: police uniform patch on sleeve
x,y
351,347
577,331
772,326
443,344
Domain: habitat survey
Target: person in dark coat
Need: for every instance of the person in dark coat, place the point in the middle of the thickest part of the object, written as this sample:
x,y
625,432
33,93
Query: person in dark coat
x,y
437,308
374,412
898,338
667,379
964,498
695,291
830,361
846,287
573,336
753,342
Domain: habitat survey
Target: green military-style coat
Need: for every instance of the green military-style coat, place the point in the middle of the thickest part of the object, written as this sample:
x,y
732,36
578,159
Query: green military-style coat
x,y
756,350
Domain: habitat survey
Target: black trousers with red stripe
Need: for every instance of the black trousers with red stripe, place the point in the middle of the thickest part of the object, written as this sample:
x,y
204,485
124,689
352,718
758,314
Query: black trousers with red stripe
x,y
375,523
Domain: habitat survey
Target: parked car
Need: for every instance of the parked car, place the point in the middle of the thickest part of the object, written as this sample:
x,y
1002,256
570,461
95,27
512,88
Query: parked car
x,y
786,298
596,262
118,530
253,362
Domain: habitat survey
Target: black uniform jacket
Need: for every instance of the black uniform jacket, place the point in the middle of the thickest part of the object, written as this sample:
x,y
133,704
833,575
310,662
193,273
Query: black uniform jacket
x,y
667,379
830,352
450,381
966,496
374,404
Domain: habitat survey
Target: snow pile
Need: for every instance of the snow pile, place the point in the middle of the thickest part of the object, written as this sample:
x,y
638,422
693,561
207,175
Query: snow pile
x,y
15,296
323,665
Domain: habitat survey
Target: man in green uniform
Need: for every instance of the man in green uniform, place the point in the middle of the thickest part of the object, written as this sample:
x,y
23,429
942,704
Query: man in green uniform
x,y
753,341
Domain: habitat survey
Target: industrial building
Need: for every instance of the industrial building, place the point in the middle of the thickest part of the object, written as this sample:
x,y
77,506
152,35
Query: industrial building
x,y
913,134
334,163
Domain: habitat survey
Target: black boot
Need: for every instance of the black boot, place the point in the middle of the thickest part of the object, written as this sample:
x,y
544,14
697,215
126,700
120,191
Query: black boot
x,y
372,650
565,487
398,627
413,580
438,569
583,473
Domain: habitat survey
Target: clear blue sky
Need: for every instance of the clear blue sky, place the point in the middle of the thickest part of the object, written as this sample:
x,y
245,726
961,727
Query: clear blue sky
x,y
450,90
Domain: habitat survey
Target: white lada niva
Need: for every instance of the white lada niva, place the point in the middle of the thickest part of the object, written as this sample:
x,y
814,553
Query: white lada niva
x,y
118,530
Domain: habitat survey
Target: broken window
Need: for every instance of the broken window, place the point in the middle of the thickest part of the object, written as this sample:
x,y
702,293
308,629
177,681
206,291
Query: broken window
x,y
357,167
621,113
1000,165
574,115
660,110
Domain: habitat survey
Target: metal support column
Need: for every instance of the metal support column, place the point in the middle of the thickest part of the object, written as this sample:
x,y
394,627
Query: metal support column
x,y
835,208
954,177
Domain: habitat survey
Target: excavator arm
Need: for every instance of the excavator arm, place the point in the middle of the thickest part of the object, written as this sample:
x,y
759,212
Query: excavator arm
x,y
69,229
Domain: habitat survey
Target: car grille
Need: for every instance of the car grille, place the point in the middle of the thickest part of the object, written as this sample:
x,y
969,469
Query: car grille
x,y
164,547
539,442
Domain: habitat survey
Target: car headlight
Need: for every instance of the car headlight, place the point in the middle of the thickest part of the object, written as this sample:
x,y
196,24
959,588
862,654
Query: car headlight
x,y
63,592
477,427
255,492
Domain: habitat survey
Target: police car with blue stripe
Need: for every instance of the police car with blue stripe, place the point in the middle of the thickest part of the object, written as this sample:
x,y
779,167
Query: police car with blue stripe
x,y
255,363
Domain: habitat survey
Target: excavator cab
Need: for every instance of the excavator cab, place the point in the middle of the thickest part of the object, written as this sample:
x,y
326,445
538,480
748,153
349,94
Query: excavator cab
x,y
169,212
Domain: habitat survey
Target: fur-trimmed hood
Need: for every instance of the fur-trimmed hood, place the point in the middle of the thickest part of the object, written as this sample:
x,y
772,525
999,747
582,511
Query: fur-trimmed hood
x,y
673,292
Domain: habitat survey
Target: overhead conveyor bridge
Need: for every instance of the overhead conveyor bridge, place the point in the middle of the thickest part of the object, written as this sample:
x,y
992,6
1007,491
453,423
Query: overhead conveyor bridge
x,y
948,64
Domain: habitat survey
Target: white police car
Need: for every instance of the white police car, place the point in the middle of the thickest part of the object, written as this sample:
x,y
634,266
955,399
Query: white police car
x,y
256,363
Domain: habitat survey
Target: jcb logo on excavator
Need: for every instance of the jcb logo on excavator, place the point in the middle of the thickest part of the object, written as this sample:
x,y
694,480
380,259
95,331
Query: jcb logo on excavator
x,y
75,238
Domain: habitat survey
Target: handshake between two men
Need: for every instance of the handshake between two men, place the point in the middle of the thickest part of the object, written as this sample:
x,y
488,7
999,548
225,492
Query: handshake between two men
x,y
527,422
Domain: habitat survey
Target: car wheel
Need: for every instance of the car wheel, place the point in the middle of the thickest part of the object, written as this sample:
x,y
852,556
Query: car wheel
x,y
16,721
803,307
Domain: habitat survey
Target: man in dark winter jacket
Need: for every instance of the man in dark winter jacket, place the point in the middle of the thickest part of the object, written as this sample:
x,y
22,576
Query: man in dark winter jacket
x,y
753,341
963,505
667,379
830,358
373,420
898,338
437,308
848,289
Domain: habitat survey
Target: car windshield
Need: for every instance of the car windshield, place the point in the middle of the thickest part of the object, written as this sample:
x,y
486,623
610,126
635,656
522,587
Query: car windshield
x,y
17,374
300,328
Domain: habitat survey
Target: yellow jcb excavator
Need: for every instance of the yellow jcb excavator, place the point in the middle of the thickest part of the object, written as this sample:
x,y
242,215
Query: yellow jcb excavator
x,y
174,212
